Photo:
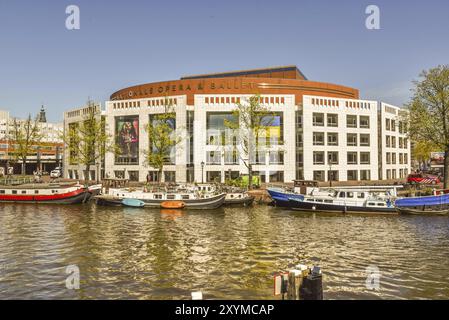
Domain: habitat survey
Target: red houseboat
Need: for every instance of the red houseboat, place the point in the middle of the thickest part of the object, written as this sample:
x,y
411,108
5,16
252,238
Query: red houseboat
x,y
44,193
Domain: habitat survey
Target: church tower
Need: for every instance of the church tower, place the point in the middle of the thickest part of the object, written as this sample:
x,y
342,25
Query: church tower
x,y
42,115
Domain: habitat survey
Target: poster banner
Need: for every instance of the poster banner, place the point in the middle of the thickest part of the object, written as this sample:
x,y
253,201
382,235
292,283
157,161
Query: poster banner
x,y
127,139
437,159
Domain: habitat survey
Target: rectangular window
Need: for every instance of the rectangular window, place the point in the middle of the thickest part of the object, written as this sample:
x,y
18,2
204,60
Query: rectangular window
x,y
332,157
318,175
276,157
393,158
170,176
364,140
332,120
364,122
218,126
231,157
365,158
332,139
388,158
393,125
213,158
351,139
213,176
318,119
351,121
318,138
273,129
318,157
259,158
276,176
365,175
388,141
352,157
393,142
352,175
133,175
387,124
332,175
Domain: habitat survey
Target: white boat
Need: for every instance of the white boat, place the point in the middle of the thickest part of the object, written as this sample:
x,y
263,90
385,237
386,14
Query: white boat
x,y
154,198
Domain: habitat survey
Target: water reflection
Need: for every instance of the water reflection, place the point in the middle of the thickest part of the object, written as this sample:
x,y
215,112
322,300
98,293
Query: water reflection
x,y
229,253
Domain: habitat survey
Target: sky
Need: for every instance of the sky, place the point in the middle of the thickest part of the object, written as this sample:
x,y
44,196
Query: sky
x,y
125,43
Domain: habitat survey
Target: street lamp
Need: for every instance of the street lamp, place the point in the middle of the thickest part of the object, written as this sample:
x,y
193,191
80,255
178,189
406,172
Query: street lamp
x,y
202,171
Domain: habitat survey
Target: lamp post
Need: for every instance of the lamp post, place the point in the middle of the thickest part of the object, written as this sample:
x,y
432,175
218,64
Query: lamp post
x,y
202,171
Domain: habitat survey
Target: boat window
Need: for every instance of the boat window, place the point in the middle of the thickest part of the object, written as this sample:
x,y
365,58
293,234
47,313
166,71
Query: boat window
x,y
185,197
349,194
361,195
380,204
328,201
170,197
2,191
14,192
36,191
342,195
158,196
24,192
371,204
319,200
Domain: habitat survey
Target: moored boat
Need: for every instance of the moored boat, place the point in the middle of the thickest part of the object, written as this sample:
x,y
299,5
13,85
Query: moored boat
x,y
425,212
154,199
44,193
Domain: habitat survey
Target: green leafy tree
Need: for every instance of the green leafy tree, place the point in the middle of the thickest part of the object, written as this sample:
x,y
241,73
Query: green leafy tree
x,y
162,138
428,116
24,137
87,141
252,130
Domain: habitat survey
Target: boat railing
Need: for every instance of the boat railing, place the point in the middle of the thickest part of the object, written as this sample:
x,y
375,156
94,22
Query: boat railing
x,y
16,181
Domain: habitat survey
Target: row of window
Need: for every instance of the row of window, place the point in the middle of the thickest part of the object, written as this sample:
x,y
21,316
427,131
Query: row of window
x,y
333,175
332,120
333,158
332,139
391,158
390,142
336,103
392,174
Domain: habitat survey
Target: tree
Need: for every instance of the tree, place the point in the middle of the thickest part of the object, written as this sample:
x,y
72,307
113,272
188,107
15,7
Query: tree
x,y
87,141
428,116
251,129
422,151
162,138
24,137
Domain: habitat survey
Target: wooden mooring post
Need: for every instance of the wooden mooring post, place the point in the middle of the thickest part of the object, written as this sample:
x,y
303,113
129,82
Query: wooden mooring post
x,y
303,283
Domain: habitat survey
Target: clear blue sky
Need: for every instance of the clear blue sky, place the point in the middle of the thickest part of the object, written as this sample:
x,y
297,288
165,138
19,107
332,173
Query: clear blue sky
x,y
122,43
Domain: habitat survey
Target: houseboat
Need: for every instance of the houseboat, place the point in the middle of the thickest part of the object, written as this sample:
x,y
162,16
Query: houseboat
x,y
44,193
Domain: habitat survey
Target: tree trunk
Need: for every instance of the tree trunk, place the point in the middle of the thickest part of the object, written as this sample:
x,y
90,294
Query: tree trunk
x,y
86,183
159,176
446,168
24,161
250,176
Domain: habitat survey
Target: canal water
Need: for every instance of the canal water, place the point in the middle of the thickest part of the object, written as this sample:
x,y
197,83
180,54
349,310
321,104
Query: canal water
x,y
232,253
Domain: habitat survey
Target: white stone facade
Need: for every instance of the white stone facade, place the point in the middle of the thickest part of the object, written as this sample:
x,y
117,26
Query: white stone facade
x,y
322,138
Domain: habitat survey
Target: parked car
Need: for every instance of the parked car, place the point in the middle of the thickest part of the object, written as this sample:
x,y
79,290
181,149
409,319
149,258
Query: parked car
x,y
57,173
420,178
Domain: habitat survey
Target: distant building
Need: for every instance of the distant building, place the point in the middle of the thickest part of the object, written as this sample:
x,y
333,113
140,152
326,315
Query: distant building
x,y
72,169
45,156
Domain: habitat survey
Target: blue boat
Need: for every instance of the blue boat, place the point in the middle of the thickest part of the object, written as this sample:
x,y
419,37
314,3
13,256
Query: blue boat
x,y
423,202
136,203
282,197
